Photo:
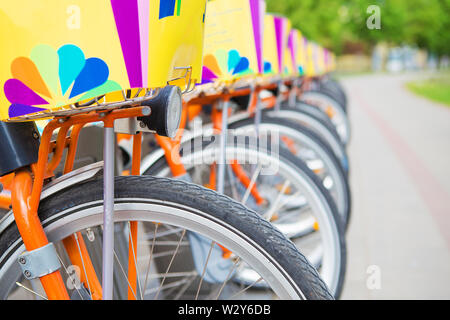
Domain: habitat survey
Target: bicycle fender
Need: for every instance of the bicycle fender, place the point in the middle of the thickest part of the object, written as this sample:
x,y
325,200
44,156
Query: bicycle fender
x,y
60,183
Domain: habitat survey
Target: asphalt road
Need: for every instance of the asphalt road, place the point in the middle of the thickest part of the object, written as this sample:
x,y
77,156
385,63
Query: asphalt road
x,y
399,236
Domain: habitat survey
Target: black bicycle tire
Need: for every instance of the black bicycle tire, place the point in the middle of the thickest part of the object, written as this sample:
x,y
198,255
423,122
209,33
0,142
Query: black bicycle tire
x,y
192,196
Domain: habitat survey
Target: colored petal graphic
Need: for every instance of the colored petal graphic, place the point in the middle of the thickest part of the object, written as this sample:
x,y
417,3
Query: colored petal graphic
x,y
94,74
17,92
208,75
144,23
166,8
46,60
17,110
204,81
71,62
211,62
107,87
25,70
258,8
178,7
292,49
127,23
247,72
222,60
242,66
281,43
267,67
233,59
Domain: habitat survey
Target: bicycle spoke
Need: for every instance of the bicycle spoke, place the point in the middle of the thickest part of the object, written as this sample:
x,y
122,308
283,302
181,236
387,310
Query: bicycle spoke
x,y
269,214
135,260
167,243
204,269
288,199
228,277
160,254
82,262
170,264
291,213
150,257
170,231
29,290
167,286
245,289
70,277
232,178
125,274
252,183
185,287
174,274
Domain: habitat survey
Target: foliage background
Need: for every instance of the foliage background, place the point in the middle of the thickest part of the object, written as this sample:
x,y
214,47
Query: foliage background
x,y
340,25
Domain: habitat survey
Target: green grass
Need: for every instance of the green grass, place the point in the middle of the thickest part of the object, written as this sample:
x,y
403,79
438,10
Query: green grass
x,y
436,88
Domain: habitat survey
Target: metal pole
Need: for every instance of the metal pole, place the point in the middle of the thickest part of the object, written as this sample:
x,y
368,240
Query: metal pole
x,y
108,214
293,93
279,97
223,144
258,108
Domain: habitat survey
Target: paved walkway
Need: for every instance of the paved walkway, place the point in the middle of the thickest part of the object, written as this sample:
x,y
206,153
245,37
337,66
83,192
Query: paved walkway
x,y
399,236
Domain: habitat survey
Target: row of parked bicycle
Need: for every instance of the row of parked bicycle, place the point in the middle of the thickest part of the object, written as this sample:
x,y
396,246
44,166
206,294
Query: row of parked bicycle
x,y
223,171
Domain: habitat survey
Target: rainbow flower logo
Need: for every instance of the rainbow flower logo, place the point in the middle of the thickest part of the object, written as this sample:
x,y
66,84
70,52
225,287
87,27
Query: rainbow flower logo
x,y
167,8
225,65
301,71
55,78
268,68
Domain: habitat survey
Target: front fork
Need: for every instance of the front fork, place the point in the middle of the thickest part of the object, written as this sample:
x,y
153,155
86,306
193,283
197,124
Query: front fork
x,y
32,232
25,198
26,193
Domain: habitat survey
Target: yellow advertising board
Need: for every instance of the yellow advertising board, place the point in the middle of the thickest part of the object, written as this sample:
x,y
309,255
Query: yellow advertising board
x,y
276,33
289,63
270,46
297,51
233,39
56,53
302,56
311,67
320,53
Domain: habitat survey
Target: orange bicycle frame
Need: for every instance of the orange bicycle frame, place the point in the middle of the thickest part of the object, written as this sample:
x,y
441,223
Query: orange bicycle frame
x,y
26,193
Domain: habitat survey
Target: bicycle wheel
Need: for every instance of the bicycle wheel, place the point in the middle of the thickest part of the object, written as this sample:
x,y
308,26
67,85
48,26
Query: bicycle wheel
x,y
295,201
339,117
3,212
324,129
167,208
335,86
309,147
333,89
317,113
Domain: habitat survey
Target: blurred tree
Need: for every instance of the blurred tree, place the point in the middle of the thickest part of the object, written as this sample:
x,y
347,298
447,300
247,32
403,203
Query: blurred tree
x,y
341,24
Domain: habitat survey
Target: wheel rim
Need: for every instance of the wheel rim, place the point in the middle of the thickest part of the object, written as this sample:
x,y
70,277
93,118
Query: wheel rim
x,y
339,119
337,188
331,259
144,210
